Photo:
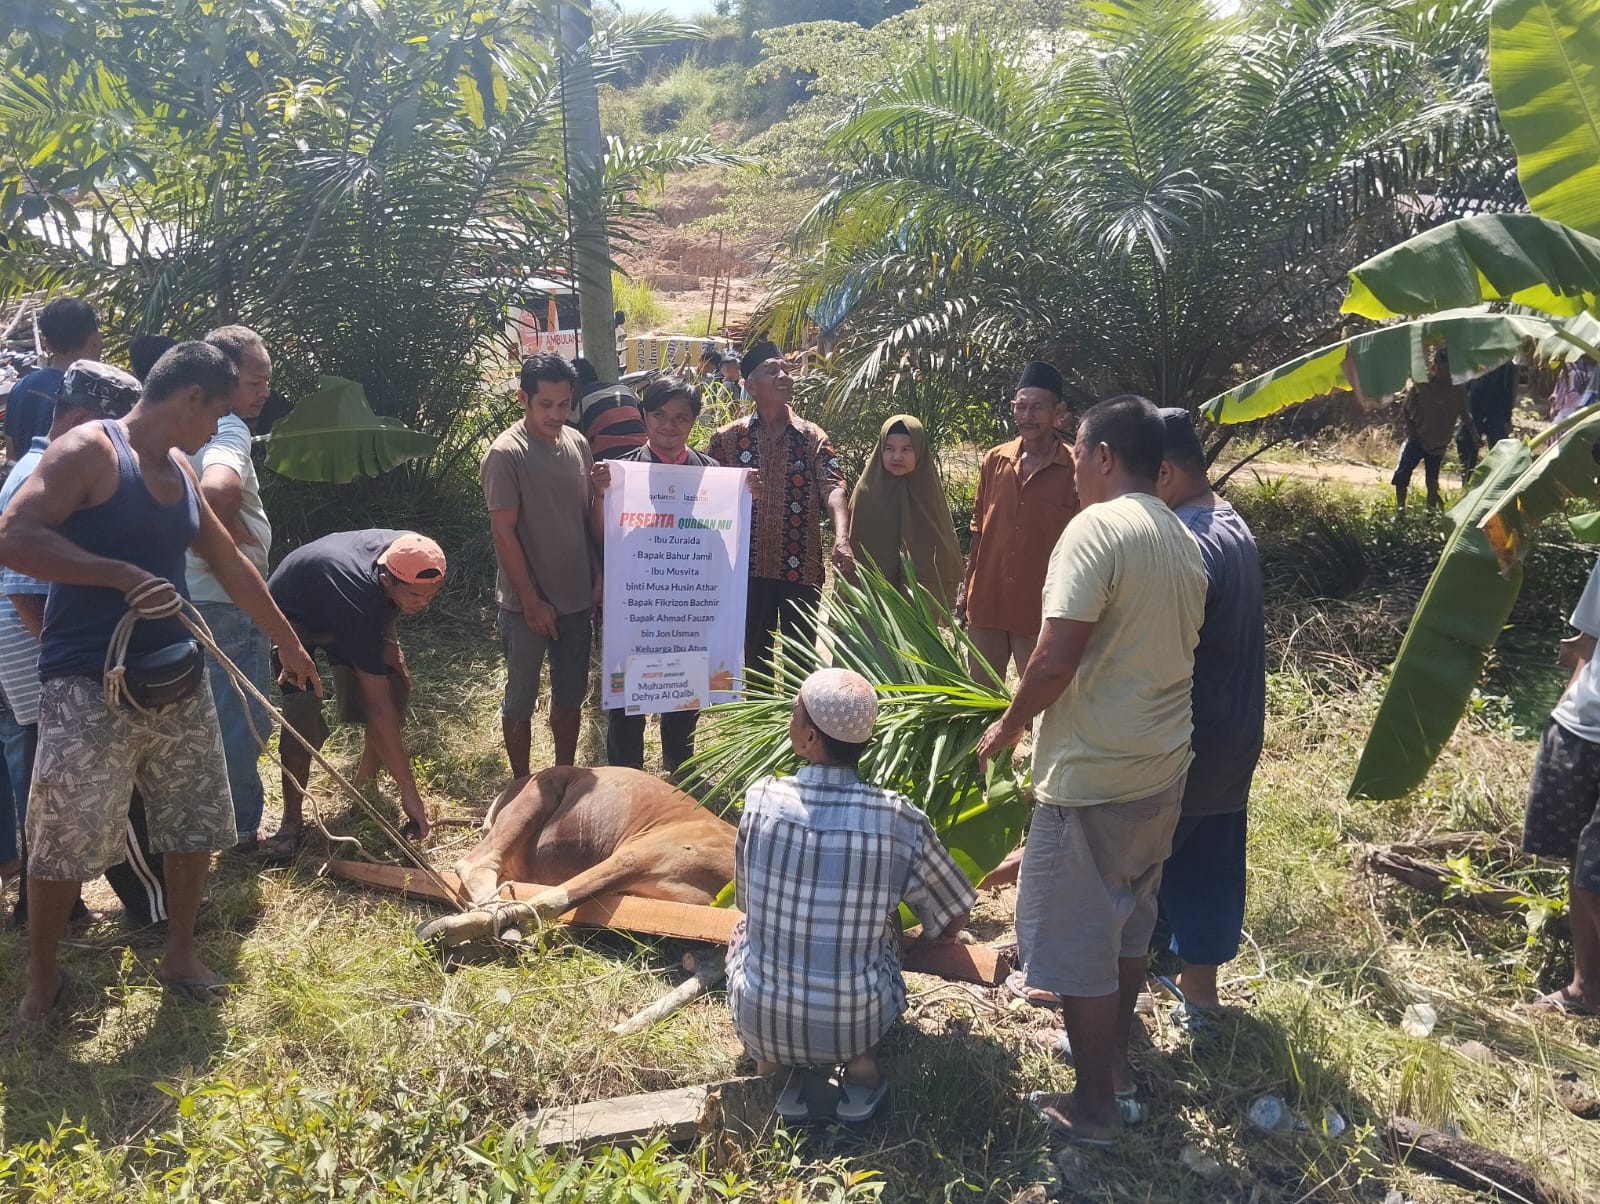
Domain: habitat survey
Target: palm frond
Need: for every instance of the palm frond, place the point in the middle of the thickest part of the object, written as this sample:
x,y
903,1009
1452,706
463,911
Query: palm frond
x,y
931,716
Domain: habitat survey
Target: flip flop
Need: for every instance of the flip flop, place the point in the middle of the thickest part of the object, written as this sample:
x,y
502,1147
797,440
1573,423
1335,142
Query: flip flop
x,y
1057,1042
1562,1003
791,1103
212,993
1036,1101
1193,1018
1054,1041
858,1102
1017,986
279,849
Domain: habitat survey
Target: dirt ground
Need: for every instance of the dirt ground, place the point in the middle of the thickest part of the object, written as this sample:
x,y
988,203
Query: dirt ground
x,y
684,266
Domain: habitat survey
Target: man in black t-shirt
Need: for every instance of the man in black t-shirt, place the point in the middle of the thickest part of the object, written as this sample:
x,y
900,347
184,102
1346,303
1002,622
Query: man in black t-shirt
x,y
343,593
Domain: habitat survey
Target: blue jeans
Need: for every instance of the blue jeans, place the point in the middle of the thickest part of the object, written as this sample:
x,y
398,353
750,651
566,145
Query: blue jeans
x,y
248,647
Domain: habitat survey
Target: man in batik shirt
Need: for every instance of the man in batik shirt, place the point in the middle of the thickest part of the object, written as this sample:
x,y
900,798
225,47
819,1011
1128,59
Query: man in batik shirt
x,y
800,480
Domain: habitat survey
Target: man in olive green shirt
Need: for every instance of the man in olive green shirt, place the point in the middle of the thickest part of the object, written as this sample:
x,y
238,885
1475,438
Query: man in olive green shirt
x,y
1110,680
1432,409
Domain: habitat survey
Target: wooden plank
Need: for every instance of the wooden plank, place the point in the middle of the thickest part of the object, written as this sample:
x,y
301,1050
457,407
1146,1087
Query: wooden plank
x,y
660,917
674,1115
679,1115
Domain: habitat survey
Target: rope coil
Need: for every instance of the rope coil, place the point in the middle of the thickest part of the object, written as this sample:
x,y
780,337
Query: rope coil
x,y
117,695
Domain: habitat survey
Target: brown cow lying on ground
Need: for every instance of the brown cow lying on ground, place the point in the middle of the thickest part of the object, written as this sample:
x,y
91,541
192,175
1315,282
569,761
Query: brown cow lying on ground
x,y
592,831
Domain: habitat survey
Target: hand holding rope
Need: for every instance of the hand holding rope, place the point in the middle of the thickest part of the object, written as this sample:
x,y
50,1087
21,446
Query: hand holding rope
x,y
158,598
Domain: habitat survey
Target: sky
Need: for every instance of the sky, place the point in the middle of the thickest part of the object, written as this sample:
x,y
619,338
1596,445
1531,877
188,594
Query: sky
x,y
677,8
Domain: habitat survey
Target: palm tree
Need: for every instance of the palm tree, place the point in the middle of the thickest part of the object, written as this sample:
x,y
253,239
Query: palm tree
x,y
1500,280
1172,193
367,185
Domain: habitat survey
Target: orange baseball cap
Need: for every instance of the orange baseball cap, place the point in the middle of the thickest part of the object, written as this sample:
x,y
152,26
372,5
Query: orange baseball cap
x,y
414,559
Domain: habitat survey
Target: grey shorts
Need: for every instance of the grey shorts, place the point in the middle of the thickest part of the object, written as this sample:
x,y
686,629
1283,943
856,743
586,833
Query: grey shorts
x,y
90,759
525,656
1086,893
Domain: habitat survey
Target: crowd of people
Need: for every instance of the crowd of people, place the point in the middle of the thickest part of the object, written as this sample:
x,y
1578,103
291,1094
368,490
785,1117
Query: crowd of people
x,y
1478,414
1102,570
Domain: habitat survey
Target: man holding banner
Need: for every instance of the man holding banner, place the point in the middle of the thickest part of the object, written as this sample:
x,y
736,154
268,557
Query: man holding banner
x,y
674,528
803,485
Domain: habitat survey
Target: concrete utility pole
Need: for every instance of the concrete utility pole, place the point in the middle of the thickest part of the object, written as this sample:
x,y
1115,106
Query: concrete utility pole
x,y
585,153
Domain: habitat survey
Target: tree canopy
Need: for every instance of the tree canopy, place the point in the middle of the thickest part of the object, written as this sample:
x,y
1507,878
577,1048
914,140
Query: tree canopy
x,y
367,185
1149,199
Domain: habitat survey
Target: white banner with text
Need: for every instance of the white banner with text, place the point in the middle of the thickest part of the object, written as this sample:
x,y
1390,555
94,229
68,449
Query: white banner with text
x,y
677,566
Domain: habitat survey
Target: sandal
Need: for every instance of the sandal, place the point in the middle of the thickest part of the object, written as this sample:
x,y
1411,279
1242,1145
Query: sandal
x,y
211,993
1017,986
858,1102
791,1103
1056,1041
1194,1018
1060,1127
1561,1003
279,849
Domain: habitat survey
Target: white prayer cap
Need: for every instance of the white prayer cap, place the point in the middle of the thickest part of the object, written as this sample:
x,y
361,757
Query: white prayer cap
x,y
841,704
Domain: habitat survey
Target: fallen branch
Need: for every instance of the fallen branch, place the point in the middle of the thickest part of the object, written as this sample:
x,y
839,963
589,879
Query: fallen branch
x,y
708,970
1473,1166
1443,884
1438,880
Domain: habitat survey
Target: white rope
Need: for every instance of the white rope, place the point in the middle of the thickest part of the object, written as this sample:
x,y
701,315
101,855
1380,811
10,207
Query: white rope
x,y
140,606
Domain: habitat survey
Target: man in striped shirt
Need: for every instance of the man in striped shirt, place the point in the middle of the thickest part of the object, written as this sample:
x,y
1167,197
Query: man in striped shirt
x,y
822,863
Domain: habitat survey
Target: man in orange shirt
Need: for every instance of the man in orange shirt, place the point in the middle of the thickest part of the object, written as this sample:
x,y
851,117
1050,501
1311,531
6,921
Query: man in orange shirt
x,y
1025,499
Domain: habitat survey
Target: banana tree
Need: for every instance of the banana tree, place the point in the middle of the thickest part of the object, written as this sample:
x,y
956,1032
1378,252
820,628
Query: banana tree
x,y
332,435
1544,66
931,716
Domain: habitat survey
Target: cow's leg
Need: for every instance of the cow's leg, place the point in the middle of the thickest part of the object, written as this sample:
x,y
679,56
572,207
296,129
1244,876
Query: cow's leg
x,y
635,859
514,821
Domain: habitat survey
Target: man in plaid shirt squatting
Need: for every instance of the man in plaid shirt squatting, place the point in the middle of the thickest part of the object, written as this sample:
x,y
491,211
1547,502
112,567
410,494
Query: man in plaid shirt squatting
x,y
821,865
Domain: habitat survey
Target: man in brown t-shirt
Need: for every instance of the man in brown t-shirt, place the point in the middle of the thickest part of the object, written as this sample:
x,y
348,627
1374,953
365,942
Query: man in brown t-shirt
x,y
1025,499
535,479
1432,409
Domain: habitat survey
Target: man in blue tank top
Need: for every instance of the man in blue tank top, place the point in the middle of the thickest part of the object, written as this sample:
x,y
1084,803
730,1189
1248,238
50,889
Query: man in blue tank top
x,y
105,518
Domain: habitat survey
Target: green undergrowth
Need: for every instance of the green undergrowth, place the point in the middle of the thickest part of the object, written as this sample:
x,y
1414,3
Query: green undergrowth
x,y
349,1065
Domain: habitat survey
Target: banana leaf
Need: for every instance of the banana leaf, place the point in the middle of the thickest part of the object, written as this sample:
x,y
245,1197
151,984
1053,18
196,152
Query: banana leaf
x,y
1577,336
1457,621
1514,257
931,716
1544,67
1586,527
333,435
1569,469
1383,361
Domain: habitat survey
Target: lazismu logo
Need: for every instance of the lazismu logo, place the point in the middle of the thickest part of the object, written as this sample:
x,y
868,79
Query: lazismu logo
x,y
671,495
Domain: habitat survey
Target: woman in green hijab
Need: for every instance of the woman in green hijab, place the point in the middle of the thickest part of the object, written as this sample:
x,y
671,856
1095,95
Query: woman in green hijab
x,y
899,505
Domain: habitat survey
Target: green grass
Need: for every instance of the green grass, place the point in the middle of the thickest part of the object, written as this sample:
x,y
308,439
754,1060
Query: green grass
x,y
638,300
350,1066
